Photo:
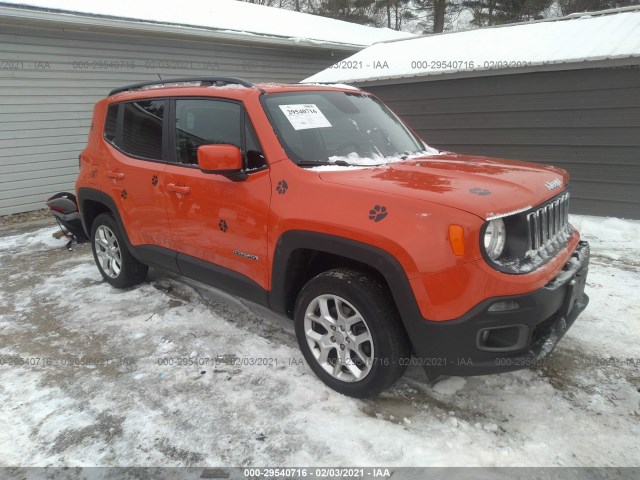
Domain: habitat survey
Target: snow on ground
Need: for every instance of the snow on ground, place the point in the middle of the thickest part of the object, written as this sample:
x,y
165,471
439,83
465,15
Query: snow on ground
x,y
219,404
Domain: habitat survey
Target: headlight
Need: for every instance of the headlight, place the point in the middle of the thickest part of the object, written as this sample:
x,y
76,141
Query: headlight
x,y
495,238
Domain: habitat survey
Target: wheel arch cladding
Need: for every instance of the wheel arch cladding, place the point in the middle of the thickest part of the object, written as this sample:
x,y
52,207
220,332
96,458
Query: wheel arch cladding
x,y
147,254
382,262
96,202
92,203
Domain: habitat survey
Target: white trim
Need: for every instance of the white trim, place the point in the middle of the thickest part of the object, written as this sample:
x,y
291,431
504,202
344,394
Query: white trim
x,y
495,216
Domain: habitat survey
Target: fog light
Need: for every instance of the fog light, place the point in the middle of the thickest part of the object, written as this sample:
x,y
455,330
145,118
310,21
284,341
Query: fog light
x,y
502,339
504,306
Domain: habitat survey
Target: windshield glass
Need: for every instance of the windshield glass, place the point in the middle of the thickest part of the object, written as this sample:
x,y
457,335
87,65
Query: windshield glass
x,y
339,128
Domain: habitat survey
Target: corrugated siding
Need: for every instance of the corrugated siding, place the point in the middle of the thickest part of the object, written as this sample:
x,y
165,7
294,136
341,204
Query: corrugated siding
x,y
50,79
586,121
549,44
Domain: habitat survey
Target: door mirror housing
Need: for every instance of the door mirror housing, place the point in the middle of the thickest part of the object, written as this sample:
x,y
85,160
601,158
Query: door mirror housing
x,y
221,159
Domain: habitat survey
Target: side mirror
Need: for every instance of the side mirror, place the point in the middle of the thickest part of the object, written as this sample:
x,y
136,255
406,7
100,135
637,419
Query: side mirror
x,y
222,160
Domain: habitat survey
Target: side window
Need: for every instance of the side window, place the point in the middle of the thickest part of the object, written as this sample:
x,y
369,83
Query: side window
x,y
202,122
110,123
142,128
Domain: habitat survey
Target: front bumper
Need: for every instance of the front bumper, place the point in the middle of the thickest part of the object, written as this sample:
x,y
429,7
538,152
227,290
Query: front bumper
x,y
506,333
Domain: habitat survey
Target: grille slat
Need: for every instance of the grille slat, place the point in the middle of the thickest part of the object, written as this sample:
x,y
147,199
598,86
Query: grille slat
x,y
545,224
548,222
534,227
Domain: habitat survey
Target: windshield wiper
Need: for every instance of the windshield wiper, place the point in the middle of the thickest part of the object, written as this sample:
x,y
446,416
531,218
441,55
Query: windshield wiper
x,y
337,163
316,163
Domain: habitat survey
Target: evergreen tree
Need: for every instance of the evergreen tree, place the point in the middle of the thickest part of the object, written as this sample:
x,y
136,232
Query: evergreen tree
x,y
496,12
355,11
437,14
575,6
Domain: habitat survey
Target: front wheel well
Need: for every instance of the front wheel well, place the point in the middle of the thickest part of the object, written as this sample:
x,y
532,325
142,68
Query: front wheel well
x,y
304,264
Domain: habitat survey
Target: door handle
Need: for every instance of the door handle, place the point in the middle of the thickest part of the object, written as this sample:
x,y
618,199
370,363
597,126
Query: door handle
x,y
116,175
172,187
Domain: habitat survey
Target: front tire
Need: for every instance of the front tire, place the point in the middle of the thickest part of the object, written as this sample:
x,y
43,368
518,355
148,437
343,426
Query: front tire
x,y
116,264
350,333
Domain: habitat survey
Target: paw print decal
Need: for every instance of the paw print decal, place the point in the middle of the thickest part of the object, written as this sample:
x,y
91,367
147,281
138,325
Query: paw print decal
x,y
124,194
480,191
222,225
154,180
377,213
282,187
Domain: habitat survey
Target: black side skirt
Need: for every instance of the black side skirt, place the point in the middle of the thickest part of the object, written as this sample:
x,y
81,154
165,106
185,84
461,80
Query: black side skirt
x,y
222,278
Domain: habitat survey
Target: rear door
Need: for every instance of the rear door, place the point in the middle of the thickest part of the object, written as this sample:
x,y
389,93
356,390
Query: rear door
x,y
135,170
219,226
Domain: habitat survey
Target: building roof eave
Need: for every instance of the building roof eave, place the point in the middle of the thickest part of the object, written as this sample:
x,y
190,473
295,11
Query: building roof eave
x,y
79,21
622,62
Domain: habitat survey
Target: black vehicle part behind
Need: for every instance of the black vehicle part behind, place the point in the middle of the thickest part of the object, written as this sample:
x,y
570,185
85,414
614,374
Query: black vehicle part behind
x,y
64,208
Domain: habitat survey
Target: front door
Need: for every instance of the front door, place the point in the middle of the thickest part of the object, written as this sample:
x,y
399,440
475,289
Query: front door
x,y
218,226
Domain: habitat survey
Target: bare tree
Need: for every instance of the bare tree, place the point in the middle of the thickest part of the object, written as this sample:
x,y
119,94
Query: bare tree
x,y
435,16
363,12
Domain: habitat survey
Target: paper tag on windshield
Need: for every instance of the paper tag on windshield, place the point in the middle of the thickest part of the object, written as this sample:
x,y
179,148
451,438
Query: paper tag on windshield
x,y
305,116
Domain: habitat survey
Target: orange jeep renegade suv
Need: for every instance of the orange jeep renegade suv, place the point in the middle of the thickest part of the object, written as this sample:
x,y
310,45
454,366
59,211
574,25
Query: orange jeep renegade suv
x,y
318,202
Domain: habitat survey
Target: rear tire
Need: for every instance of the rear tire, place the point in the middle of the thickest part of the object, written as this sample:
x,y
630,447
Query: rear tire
x,y
350,332
116,264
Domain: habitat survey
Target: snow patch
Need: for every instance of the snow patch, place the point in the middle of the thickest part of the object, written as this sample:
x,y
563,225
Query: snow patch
x,y
450,386
336,168
336,85
42,237
354,158
610,237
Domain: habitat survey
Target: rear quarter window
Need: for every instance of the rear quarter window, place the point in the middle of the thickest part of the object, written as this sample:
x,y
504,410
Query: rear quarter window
x,y
142,128
111,123
135,128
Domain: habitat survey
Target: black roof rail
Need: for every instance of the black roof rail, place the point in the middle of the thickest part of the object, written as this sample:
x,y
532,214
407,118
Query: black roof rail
x,y
204,82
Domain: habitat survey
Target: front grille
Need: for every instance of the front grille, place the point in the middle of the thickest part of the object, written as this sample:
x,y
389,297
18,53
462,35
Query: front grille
x,y
549,223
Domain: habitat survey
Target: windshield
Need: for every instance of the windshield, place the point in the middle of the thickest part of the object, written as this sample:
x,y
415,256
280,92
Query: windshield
x,y
339,128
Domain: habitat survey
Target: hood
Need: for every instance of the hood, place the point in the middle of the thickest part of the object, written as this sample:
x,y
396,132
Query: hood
x,y
483,186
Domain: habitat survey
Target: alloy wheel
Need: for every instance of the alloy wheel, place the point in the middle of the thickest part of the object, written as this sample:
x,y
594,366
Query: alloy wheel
x,y
339,338
108,251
